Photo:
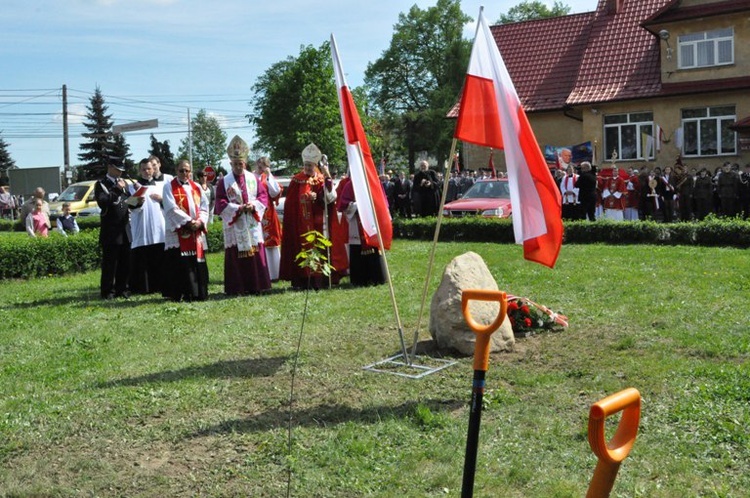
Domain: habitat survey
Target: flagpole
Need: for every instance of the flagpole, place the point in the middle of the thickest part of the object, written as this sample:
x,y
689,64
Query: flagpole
x,y
432,252
385,260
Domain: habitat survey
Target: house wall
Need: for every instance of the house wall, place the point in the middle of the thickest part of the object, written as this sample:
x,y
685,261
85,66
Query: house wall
x,y
667,114
741,67
551,128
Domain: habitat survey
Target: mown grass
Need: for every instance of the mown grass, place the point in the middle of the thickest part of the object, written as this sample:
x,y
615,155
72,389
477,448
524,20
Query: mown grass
x,y
149,398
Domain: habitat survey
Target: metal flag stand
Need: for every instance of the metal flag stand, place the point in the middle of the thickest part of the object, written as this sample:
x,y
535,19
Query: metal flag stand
x,y
406,366
395,365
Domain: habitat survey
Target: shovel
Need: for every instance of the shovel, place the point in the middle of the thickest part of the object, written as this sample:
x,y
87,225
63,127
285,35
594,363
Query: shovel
x,y
613,453
481,364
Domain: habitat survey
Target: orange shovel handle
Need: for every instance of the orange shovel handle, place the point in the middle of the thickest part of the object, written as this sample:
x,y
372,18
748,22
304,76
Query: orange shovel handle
x,y
612,453
483,332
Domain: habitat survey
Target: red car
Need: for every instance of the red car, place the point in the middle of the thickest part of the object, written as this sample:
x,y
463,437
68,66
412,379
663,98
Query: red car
x,y
489,198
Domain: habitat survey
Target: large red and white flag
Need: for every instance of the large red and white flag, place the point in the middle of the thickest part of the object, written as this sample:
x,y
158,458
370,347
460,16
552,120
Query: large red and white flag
x,y
364,175
491,115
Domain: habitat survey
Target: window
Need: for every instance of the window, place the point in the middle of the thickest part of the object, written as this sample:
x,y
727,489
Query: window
x,y
628,134
710,48
706,131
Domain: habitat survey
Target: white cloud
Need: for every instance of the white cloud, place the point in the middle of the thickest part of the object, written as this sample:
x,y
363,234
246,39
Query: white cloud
x,y
76,114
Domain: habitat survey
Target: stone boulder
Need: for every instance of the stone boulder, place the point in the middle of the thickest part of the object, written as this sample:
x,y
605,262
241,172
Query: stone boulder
x,y
447,324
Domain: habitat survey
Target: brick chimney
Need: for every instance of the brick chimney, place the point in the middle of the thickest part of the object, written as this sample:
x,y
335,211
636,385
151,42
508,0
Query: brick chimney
x,y
614,6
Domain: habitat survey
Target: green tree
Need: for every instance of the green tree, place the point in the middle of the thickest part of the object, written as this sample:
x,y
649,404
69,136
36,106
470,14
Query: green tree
x,y
533,9
419,76
163,151
295,103
209,141
96,153
6,162
121,149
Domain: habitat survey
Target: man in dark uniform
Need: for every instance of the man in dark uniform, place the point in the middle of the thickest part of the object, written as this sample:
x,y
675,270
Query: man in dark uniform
x,y
111,193
403,195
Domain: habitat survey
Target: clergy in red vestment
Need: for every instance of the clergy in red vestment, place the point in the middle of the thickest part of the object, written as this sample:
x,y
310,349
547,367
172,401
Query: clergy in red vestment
x,y
241,201
309,205
270,221
614,192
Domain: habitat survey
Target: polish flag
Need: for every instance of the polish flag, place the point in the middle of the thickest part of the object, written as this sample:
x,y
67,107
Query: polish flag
x,y
362,174
491,115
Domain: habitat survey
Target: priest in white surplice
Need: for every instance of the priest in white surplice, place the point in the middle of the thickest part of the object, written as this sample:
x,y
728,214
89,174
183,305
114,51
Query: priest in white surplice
x,y
147,227
186,216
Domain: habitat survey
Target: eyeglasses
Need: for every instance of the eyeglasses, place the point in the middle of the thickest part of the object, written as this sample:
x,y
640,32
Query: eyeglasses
x,y
183,170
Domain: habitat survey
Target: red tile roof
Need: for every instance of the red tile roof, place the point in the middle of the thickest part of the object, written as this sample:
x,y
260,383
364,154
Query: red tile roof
x,y
696,11
599,56
621,60
543,57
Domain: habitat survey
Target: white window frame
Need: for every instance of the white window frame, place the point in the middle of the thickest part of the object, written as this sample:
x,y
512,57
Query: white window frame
x,y
630,120
703,49
721,121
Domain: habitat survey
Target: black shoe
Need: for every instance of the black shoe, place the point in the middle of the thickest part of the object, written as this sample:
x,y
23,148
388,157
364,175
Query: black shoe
x,y
111,295
123,294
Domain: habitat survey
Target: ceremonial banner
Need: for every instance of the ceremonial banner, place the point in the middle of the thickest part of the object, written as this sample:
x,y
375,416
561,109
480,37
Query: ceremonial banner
x,y
362,174
491,115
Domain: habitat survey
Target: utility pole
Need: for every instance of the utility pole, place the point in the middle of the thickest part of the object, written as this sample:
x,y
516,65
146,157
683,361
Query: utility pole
x,y
190,139
66,145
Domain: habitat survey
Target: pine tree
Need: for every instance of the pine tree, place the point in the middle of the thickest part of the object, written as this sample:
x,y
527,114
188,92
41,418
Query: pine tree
x,y
6,162
164,153
121,149
96,153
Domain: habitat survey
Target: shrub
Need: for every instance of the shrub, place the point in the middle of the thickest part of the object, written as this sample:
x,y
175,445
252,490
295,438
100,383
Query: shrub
x,y
733,232
22,256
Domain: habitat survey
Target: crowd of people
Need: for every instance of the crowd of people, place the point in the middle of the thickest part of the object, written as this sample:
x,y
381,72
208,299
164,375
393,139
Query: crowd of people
x,y
672,193
420,193
153,230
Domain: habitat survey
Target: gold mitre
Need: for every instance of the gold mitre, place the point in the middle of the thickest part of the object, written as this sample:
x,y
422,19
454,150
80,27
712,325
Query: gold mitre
x,y
238,149
311,154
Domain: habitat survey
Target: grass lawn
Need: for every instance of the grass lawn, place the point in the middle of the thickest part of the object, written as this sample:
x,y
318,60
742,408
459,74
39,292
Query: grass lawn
x,y
145,398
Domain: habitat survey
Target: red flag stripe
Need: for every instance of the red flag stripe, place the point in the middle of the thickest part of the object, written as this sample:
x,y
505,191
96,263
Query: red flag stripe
x,y
364,176
495,118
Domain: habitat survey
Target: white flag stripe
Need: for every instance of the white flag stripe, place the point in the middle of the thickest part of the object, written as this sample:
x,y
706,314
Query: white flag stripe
x,y
356,167
486,62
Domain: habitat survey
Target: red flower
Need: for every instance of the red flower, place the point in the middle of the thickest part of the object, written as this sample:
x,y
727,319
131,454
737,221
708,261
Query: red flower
x,y
512,306
525,310
527,322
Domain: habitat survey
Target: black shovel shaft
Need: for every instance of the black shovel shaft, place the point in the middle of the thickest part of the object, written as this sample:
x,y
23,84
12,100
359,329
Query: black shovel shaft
x,y
472,439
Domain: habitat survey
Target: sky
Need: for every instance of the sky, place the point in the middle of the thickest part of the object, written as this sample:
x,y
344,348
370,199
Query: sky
x,y
164,59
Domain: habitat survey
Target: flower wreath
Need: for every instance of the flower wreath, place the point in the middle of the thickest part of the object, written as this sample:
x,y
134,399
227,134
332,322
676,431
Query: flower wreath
x,y
526,317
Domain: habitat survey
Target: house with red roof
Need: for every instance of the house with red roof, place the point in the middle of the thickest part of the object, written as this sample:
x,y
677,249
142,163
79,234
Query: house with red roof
x,y
651,80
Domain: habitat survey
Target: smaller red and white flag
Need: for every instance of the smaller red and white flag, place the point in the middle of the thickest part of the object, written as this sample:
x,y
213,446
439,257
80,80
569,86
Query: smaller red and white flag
x,y
491,115
492,164
364,175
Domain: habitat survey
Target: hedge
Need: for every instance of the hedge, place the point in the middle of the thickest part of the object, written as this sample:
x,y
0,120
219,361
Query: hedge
x,y
84,223
732,232
26,257
22,256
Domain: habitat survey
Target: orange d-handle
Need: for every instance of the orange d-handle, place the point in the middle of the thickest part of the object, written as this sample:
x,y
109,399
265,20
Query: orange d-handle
x,y
483,332
613,453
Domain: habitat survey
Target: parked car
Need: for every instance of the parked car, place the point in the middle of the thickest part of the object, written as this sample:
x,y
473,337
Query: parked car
x,y
80,196
488,198
90,211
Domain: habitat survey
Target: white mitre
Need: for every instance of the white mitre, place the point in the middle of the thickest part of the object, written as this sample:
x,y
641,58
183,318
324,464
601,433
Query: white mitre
x,y
311,154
